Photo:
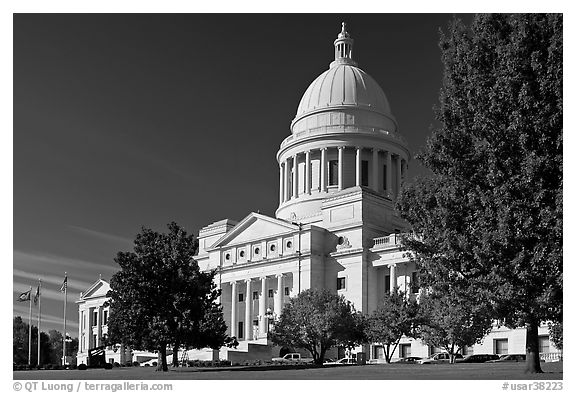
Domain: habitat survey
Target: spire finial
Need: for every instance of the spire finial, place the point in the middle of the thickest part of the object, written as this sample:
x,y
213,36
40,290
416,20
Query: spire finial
x,y
343,48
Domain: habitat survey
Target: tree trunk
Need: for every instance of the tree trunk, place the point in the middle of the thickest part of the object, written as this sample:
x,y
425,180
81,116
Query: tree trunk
x,y
175,355
532,352
162,365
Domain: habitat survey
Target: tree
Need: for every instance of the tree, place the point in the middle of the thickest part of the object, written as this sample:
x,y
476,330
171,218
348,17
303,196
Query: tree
x,y
316,320
160,297
488,221
396,316
452,322
20,343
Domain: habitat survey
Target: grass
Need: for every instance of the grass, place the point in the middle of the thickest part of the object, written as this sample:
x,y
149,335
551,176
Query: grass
x,y
462,371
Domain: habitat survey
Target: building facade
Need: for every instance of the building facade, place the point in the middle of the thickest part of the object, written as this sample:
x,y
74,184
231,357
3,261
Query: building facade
x,y
340,171
93,328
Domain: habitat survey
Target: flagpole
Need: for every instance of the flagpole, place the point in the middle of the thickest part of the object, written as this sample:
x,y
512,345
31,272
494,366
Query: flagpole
x,y
39,316
64,337
30,329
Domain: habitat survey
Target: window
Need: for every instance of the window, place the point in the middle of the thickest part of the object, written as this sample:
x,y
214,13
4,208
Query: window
x,y
255,295
270,293
364,173
467,351
242,253
414,285
501,346
405,350
544,344
333,172
227,257
240,297
341,283
257,250
288,244
105,317
240,329
273,247
287,291
95,318
384,177
386,284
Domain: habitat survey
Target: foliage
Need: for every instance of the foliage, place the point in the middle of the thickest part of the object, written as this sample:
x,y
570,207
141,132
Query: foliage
x,y
451,321
316,320
50,345
488,221
396,316
20,344
160,297
557,335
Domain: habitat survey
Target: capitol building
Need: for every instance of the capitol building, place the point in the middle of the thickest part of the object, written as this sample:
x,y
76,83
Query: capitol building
x,y
339,173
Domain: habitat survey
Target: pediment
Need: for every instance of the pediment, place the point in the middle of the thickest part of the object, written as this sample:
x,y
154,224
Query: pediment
x,y
255,226
99,289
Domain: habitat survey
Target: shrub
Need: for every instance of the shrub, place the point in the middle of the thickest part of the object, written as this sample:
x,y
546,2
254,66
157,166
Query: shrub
x,y
116,364
108,366
128,364
48,367
82,367
136,364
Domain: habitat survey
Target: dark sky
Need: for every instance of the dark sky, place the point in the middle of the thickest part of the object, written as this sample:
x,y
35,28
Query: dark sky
x,y
123,121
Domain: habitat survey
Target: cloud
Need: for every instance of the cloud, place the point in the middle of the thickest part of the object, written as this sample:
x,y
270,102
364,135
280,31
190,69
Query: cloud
x,y
24,258
51,279
102,235
47,319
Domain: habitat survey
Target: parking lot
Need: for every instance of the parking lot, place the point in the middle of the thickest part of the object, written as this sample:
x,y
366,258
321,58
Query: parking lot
x,y
471,371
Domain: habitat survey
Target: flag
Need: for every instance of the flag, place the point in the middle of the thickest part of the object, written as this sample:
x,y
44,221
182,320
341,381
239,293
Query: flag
x,y
24,296
37,295
64,284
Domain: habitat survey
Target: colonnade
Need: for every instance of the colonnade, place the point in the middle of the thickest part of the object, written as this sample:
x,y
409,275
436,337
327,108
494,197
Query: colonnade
x,y
289,173
264,313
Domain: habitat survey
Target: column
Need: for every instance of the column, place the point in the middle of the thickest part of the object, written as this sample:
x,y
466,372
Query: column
x,y
398,175
392,277
375,169
286,182
262,321
233,321
79,330
279,299
389,173
248,315
295,169
308,183
340,167
281,182
99,326
358,166
323,169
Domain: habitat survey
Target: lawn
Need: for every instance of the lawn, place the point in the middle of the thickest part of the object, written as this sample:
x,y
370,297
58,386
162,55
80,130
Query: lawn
x,y
469,371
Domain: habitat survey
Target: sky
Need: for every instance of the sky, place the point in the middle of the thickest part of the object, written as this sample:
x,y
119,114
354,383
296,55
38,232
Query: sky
x,y
128,120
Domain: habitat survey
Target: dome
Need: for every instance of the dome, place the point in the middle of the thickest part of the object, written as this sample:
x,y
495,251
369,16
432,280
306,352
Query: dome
x,y
343,95
341,86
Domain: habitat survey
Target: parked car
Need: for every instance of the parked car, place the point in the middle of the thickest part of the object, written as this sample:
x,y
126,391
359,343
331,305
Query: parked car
x,y
292,358
149,363
509,358
478,358
408,360
442,357
342,361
